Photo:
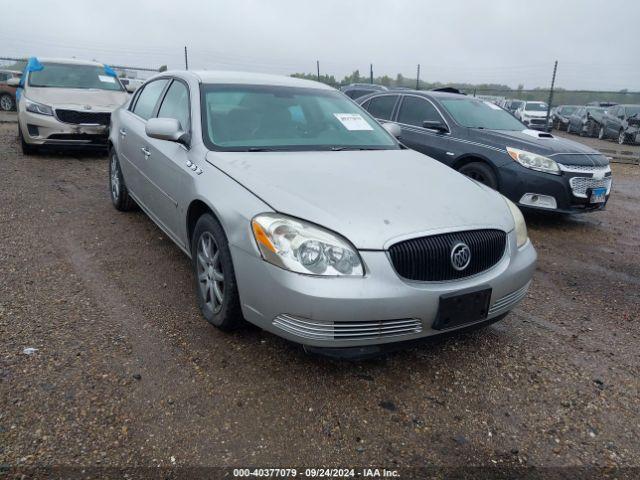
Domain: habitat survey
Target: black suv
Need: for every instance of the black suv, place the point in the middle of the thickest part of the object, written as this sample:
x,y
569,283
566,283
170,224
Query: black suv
x,y
483,141
560,116
620,122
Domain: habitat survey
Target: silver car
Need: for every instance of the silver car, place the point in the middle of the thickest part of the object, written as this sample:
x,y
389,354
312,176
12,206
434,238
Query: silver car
x,y
304,216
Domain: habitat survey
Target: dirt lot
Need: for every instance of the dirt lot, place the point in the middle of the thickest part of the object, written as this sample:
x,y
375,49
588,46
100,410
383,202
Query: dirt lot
x,y
127,373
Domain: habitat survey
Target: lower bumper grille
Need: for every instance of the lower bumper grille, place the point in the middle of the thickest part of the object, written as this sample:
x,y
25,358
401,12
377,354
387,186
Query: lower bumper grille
x,y
327,330
85,118
509,301
580,185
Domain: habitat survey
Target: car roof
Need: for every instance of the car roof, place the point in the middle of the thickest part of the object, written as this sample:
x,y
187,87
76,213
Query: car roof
x,y
70,61
245,78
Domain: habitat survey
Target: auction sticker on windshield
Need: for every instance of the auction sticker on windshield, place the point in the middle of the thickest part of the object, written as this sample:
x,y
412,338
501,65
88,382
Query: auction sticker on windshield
x,y
353,121
106,79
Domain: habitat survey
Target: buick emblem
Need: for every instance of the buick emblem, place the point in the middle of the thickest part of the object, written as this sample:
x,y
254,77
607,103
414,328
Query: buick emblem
x,y
460,256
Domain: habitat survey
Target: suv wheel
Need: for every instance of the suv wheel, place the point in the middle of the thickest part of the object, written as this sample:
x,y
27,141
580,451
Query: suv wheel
x,y
119,193
7,103
216,287
622,137
27,149
480,172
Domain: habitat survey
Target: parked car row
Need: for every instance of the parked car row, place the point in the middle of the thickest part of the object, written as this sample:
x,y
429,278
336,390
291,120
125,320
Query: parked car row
x,y
616,122
286,185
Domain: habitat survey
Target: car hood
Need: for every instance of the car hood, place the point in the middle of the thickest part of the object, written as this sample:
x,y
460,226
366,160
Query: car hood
x,y
101,100
560,149
373,198
534,114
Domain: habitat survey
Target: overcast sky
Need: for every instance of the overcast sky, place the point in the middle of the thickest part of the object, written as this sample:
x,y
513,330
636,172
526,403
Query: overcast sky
x,y
597,42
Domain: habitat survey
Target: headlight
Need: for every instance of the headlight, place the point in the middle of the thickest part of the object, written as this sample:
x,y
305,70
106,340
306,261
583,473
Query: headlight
x,y
534,161
39,108
303,247
518,218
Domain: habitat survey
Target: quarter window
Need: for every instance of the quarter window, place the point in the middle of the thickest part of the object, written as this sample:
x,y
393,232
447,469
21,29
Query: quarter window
x,y
415,111
382,107
148,98
176,104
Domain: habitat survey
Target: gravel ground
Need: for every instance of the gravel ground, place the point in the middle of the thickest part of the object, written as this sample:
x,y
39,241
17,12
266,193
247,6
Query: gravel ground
x,y
127,373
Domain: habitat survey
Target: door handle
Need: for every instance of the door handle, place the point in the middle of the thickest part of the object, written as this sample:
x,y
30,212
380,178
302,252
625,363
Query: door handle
x,y
123,132
146,152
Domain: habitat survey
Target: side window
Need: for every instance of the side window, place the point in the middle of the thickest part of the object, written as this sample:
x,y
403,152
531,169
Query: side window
x,y
382,107
148,98
176,104
414,111
3,77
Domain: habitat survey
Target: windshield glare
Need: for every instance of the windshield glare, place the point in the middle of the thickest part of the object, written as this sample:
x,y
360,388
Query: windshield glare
x,y
536,107
253,117
478,114
58,75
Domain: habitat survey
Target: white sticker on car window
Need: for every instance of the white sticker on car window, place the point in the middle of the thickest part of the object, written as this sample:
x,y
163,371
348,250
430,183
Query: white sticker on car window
x,y
493,105
106,79
353,121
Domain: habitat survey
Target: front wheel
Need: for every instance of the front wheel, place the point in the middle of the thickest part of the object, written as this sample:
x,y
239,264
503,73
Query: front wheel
x,y
7,103
601,134
622,137
119,193
216,286
480,172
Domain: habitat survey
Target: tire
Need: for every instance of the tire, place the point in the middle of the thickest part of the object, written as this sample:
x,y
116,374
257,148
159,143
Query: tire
x,y
569,127
27,149
7,103
118,189
622,138
215,280
480,172
601,133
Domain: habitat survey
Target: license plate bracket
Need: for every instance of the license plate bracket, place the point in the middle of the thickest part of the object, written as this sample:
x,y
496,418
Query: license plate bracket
x,y
597,195
456,309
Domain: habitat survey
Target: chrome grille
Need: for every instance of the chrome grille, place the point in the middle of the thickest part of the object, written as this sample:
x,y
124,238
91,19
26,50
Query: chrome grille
x,y
585,169
508,301
328,330
428,259
580,185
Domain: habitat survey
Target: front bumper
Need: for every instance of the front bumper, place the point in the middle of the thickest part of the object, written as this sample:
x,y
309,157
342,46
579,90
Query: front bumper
x,y
543,126
271,297
516,181
47,130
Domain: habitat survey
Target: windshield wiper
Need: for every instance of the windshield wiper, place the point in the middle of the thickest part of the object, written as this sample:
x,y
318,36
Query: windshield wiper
x,y
339,148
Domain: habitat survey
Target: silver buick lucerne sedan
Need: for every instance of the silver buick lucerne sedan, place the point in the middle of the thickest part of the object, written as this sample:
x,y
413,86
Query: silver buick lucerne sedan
x,y
305,217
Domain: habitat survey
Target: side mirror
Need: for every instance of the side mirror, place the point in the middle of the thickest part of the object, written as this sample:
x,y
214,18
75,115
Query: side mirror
x,y
165,129
13,82
130,88
393,129
435,125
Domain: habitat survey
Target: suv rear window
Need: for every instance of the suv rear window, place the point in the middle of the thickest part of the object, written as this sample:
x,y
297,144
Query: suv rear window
x,y
382,107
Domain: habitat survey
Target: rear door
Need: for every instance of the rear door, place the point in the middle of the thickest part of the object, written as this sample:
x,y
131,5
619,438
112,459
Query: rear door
x,y
412,113
166,168
381,107
133,140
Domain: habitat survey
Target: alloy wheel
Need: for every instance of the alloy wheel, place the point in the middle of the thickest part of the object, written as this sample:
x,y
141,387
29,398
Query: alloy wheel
x,y
622,138
115,178
601,133
6,103
210,275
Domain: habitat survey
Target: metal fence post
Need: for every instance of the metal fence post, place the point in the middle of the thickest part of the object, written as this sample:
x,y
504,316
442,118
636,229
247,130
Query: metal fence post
x,y
553,81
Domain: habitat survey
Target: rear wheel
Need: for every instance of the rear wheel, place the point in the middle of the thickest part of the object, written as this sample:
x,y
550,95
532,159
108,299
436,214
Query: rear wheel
x,y
7,103
216,287
480,172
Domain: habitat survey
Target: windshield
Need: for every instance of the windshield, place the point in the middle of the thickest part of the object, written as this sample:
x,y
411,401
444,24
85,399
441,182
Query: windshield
x,y
633,110
515,105
595,109
535,107
568,110
475,113
60,75
265,117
